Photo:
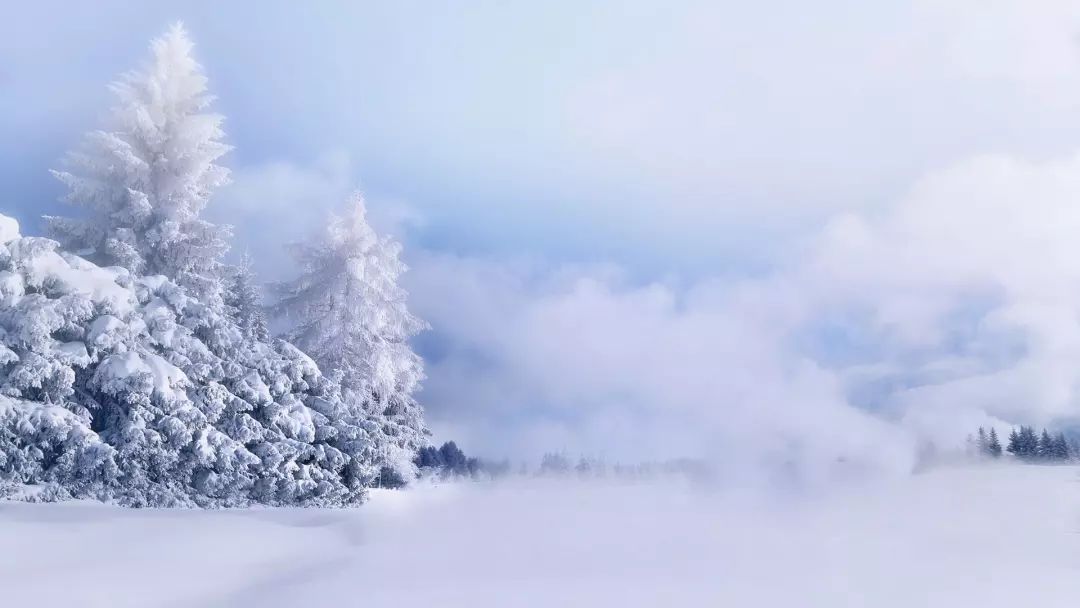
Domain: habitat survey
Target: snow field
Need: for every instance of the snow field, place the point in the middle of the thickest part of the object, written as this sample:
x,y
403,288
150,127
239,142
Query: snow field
x,y
983,536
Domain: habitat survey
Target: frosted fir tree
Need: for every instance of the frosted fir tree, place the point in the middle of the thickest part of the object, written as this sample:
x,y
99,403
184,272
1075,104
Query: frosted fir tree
x,y
350,315
127,376
243,297
145,178
129,389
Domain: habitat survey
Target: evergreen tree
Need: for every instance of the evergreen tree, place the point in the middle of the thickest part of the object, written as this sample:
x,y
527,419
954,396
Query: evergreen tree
x,y
1030,442
121,383
1046,447
993,446
127,388
554,463
146,177
244,300
449,461
982,443
1024,443
349,314
1060,448
1014,446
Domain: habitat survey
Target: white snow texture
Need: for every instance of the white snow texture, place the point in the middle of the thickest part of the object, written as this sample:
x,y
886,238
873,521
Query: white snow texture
x,y
1005,537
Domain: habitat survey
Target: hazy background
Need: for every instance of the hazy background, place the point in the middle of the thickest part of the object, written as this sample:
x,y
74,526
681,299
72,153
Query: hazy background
x,y
768,232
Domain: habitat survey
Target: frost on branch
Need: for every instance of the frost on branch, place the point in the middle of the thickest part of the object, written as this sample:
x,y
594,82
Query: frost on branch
x,y
129,389
147,175
349,313
137,366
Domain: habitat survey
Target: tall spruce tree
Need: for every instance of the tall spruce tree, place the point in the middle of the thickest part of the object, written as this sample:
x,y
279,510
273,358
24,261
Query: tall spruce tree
x,y
1045,449
1026,445
1061,448
244,300
1030,441
350,315
147,175
993,445
1014,446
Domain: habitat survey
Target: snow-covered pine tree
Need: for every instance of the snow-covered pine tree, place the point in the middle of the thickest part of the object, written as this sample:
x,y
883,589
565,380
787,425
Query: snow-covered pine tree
x,y
145,178
129,389
135,382
349,313
243,298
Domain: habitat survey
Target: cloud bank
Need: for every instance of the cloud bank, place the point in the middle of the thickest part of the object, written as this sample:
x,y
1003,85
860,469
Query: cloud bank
x,y
955,307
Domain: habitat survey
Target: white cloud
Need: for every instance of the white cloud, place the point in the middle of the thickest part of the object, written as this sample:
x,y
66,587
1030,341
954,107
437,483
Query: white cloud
x,y
956,307
704,127
629,372
761,116
992,238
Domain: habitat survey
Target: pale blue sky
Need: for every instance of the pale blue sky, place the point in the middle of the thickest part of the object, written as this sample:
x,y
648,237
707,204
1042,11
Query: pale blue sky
x,y
665,135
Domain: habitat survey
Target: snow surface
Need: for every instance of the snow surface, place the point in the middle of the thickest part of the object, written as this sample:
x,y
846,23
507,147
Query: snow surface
x,y
987,537
78,276
164,375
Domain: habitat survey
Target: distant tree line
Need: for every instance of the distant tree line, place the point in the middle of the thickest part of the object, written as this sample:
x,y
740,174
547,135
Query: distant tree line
x,y
1024,444
558,464
449,462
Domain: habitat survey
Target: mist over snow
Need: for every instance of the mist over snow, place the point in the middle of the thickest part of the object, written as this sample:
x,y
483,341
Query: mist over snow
x,y
1006,537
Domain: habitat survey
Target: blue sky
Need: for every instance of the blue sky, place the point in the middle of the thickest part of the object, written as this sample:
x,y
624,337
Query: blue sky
x,y
680,167
651,133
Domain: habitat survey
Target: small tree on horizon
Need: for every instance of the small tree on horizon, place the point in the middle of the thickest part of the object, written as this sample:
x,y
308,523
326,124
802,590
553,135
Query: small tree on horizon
x,y
993,446
1061,448
1014,446
982,443
1046,448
